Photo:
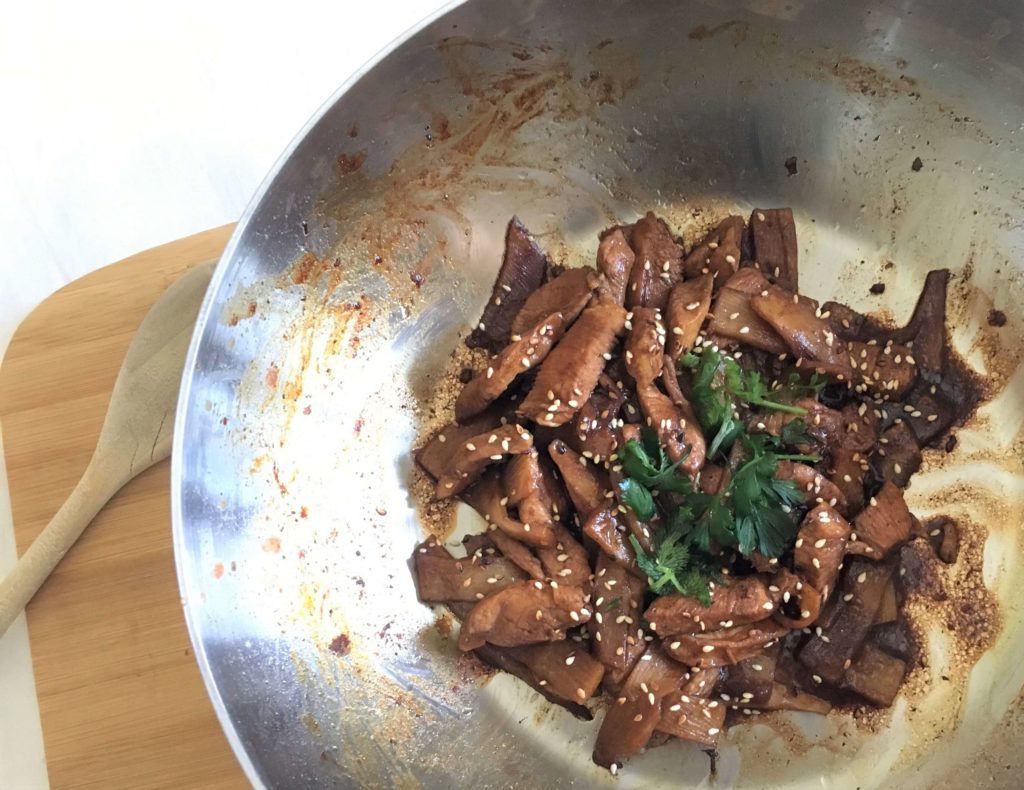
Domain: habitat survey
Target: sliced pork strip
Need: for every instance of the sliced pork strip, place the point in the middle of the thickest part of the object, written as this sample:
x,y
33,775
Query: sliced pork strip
x,y
571,370
565,668
718,254
692,719
741,602
524,490
658,265
516,358
615,261
585,483
724,647
518,553
469,459
524,613
523,269
645,345
812,484
883,525
488,499
608,530
796,321
687,307
733,317
567,294
443,579
680,436
820,546
618,600
566,562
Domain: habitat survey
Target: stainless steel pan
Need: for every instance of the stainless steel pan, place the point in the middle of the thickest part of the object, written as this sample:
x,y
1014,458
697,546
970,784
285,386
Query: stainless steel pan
x,y
294,494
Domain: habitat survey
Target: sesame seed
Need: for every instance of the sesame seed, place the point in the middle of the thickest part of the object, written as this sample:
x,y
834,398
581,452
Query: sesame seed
x,y
862,577
707,648
820,543
744,330
816,678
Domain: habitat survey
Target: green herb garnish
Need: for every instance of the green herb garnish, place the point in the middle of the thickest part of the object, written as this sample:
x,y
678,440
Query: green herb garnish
x,y
672,566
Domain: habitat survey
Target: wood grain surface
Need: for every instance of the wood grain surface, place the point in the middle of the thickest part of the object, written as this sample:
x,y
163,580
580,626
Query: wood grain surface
x,y
120,695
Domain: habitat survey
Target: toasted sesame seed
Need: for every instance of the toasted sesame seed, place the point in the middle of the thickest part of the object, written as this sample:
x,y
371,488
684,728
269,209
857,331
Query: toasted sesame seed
x,y
707,648
816,678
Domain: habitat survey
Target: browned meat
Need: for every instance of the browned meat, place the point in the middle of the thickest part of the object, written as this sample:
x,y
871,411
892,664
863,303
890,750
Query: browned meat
x,y
888,370
806,335
714,479
692,718
434,455
632,718
944,535
524,613
520,355
861,424
681,437
468,459
932,415
897,639
687,307
733,317
517,553
585,482
750,680
883,525
604,527
718,255
927,325
897,456
488,499
798,604
594,427
522,272
820,545
525,490
618,597
658,265
846,322
569,374
567,294
440,579
645,345
565,668
826,426
553,491
889,608
773,234
615,261
876,676
692,435
919,574
743,601
502,658
815,487
847,474
830,653
726,646
567,561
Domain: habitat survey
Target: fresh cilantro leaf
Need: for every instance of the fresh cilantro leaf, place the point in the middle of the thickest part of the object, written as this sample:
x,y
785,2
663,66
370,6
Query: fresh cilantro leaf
x,y
637,498
672,566
638,464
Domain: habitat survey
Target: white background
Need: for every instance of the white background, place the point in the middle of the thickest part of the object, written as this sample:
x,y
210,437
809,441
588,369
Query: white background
x,y
126,125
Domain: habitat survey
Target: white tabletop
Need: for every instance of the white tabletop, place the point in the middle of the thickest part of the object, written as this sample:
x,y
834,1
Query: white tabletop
x,y
126,128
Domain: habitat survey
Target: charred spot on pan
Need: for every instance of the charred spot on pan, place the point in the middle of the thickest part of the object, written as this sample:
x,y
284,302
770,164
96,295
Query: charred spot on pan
x,y
996,318
917,164
791,168
877,288
341,645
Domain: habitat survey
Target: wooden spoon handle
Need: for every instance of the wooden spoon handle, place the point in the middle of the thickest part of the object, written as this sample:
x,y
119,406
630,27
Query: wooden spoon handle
x,y
32,569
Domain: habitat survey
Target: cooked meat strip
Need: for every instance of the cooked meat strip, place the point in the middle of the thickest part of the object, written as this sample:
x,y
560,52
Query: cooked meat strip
x,y
932,415
566,668
883,525
944,535
522,272
435,454
820,546
524,613
594,426
897,456
517,553
773,236
861,424
569,374
567,294
488,499
725,646
609,532
827,654
520,355
615,261
502,658
718,254
525,490
889,608
876,676
645,345
733,317
692,435
585,482
469,459
919,574
888,370
751,679
618,600
798,603
692,718
847,473
741,602
566,562
927,325
806,335
632,718
440,579
667,421
553,491
812,484
897,639
658,265
826,426
687,307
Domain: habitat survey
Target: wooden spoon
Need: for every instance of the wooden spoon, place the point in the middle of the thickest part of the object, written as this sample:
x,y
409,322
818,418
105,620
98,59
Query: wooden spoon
x,y
136,434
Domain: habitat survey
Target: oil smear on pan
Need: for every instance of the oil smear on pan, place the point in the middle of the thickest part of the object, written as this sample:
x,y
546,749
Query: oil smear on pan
x,y
372,321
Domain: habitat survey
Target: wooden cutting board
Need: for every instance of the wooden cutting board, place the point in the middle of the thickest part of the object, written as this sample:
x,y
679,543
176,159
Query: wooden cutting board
x,y
120,695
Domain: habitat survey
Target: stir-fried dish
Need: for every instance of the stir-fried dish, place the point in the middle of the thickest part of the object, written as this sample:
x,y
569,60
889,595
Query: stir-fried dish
x,y
693,478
